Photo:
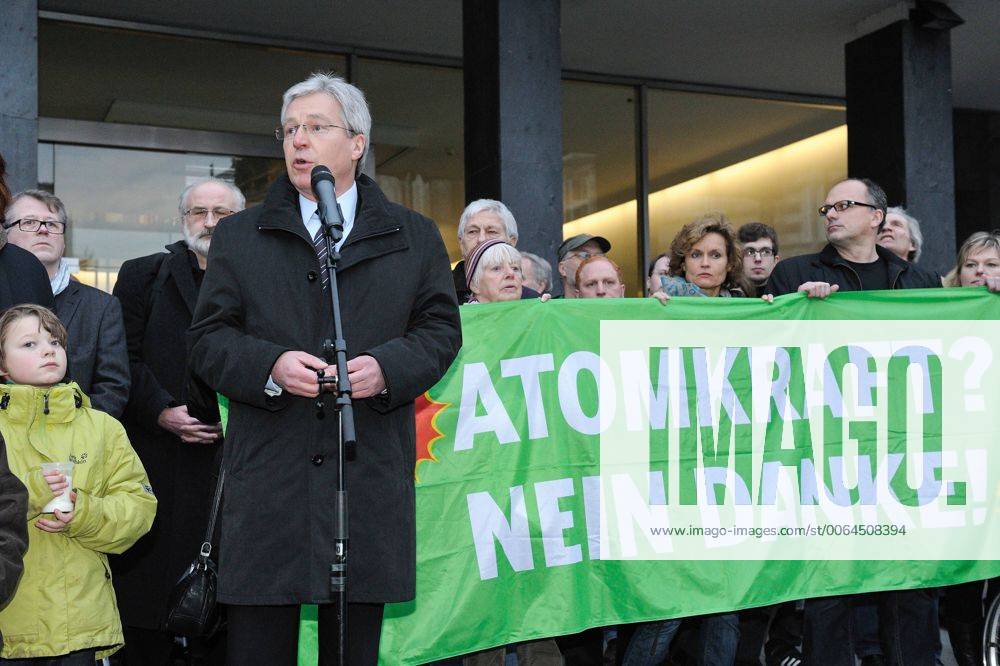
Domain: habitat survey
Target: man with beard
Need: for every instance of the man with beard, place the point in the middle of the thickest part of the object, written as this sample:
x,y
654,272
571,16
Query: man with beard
x,y
158,295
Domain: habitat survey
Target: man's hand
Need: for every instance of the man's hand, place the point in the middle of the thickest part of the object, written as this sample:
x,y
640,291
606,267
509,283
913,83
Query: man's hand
x,y
818,289
366,377
189,429
62,519
295,372
993,284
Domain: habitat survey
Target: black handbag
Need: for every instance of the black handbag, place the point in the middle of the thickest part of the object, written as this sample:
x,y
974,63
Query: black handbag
x,y
191,607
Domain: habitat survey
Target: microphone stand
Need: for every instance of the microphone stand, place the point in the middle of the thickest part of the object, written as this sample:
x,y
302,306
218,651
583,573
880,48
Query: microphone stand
x,y
335,352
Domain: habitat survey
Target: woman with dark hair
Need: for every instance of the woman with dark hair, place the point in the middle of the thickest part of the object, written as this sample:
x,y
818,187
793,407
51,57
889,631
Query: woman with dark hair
x,y
22,277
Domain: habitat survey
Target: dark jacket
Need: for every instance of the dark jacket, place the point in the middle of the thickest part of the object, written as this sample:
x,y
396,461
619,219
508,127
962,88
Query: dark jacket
x,y
98,356
23,279
463,293
158,294
262,297
828,266
13,529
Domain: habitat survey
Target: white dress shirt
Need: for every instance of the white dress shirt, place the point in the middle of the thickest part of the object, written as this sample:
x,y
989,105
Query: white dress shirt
x,y
310,218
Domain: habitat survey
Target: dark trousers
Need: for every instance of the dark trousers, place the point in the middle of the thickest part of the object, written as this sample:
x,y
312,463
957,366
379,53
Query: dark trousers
x,y
908,628
270,635
80,658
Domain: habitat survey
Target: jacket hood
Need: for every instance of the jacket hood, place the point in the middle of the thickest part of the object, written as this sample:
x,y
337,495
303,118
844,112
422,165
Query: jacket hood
x,y
58,404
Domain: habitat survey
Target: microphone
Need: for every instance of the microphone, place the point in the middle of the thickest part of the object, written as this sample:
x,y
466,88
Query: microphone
x,y
323,187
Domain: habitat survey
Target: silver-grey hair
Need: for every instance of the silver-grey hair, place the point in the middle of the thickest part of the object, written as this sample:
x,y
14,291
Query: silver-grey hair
x,y
491,206
914,228
239,200
353,106
49,200
493,257
542,269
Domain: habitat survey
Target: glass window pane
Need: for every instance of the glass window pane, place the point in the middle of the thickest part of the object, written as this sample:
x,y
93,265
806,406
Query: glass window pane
x,y
417,140
123,204
166,81
599,170
754,160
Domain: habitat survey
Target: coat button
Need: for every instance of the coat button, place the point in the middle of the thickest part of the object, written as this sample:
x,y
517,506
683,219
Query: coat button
x,y
317,459
312,276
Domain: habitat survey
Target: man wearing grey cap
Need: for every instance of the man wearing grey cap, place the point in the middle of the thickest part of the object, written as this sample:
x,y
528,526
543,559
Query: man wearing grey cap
x,y
573,251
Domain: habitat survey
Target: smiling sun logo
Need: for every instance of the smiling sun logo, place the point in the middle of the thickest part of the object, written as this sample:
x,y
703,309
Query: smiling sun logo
x,y
426,412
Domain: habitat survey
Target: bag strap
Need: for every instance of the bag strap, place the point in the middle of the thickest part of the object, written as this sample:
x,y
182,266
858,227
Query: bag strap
x,y
206,546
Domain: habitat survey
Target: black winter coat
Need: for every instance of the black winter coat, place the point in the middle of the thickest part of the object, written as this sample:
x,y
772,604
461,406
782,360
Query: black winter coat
x,y
262,296
828,266
23,279
158,294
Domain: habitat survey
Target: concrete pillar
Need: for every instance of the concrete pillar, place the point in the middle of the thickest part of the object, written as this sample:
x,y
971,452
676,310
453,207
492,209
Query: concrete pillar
x,y
19,92
513,114
899,123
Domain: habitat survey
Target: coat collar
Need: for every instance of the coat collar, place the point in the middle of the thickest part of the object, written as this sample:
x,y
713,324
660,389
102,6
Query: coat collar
x,y
26,404
829,256
372,220
179,263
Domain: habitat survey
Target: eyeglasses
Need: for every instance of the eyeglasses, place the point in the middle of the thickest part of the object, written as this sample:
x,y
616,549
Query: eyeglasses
x,y
312,129
201,214
763,253
31,225
841,206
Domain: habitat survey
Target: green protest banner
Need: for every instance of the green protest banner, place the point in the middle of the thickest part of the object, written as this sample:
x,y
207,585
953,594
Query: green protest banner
x,y
586,463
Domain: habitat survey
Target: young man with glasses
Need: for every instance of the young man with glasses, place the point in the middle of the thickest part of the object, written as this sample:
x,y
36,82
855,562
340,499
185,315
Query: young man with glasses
x,y
853,214
98,358
178,444
760,253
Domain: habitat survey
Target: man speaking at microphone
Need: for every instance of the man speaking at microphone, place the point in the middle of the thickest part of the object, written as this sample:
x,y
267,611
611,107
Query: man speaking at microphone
x,y
263,314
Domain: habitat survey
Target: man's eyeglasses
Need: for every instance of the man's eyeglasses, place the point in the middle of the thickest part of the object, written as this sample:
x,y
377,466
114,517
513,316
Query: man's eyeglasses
x,y
31,225
201,214
841,206
312,129
763,253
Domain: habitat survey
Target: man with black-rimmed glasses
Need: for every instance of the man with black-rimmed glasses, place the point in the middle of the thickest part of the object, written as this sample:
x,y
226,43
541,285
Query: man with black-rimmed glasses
x,y
853,215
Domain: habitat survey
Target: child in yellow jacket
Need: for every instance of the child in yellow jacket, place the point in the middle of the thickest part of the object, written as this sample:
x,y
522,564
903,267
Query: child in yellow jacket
x,y
64,606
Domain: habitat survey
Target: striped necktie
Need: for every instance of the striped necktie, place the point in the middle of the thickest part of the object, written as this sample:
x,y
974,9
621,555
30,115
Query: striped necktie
x,y
319,244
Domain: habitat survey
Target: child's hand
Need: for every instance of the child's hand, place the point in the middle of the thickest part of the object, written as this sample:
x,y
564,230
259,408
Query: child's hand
x,y
56,481
62,519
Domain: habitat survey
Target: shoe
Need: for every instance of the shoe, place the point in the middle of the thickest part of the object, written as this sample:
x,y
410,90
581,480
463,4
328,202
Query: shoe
x,y
873,660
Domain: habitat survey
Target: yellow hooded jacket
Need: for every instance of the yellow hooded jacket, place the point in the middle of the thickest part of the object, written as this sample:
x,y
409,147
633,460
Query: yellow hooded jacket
x,y
65,601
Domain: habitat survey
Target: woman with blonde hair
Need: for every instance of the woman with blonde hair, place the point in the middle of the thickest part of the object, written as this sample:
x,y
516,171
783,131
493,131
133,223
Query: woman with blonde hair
x,y
978,262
